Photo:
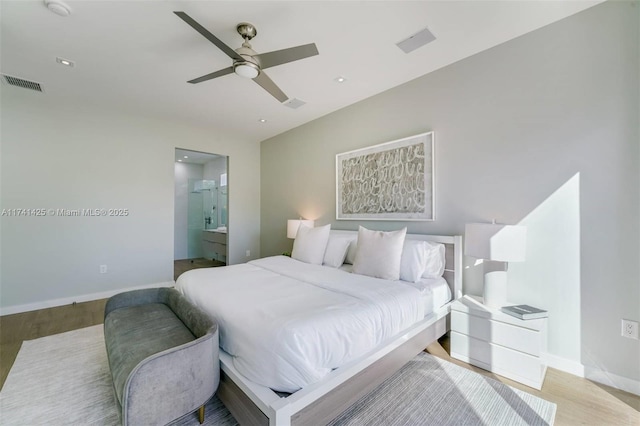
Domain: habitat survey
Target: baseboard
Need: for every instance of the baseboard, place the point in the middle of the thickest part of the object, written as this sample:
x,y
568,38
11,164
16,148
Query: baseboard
x,y
16,309
619,382
564,364
593,374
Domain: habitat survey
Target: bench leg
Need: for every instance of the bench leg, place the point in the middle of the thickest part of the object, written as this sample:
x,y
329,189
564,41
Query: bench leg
x,y
201,414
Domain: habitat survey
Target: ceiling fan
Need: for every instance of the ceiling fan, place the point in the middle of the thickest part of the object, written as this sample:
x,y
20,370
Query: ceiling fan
x,y
246,61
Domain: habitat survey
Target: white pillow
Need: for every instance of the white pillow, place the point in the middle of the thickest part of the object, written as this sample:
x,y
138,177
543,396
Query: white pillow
x,y
413,261
379,253
434,266
336,250
351,252
310,244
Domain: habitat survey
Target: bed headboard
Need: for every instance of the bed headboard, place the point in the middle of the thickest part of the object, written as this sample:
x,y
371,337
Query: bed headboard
x,y
453,256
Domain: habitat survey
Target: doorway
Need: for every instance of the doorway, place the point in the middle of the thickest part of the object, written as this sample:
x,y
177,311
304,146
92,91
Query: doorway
x,y
201,210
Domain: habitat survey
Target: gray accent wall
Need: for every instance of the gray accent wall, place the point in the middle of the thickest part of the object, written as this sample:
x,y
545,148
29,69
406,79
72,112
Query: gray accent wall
x,y
542,130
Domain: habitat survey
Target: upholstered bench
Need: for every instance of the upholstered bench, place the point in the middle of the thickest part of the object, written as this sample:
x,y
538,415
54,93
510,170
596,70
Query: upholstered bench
x,y
163,355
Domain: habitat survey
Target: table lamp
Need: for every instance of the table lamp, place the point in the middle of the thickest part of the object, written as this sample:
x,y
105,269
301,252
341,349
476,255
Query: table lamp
x,y
497,244
294,224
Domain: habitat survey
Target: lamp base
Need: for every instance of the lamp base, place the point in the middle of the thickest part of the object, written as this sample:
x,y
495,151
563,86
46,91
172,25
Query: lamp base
x,y
494,293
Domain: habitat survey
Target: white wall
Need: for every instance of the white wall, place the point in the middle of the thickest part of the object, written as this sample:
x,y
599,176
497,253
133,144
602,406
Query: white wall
x,y
214,168
541,130
183,172
550,276
58,154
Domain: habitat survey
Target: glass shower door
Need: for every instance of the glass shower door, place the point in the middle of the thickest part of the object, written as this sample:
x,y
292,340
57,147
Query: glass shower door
x,y
222,203
210,207
202,214
195,219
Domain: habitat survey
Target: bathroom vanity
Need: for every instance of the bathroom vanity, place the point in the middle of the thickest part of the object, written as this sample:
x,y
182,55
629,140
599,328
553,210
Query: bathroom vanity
x,y
214,244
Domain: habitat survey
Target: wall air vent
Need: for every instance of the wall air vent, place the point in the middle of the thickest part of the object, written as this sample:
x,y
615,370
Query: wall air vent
x,y
19,82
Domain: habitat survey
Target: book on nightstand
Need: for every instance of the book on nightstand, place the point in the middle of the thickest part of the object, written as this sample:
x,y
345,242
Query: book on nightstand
x,y
524,312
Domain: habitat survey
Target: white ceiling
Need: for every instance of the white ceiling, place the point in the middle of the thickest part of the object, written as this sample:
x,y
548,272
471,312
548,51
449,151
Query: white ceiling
x,y
138,55
194,157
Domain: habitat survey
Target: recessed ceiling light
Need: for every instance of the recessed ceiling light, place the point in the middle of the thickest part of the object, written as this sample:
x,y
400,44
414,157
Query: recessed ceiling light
x,y
179,161
262,120
340,79
65,62
186,156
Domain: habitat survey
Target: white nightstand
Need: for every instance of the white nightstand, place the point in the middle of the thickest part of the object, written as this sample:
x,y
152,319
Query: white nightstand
x,y
495,341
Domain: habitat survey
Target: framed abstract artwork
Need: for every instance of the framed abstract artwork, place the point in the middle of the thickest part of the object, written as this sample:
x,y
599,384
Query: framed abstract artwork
x,y
390,181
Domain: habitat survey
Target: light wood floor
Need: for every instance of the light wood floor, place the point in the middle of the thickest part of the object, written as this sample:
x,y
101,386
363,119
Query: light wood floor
x,y
14,329
580,401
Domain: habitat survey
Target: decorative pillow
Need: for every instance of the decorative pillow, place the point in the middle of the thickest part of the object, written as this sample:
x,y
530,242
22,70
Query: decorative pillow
x,y
351,252
413,261
434,266
310,244
378,253
336,250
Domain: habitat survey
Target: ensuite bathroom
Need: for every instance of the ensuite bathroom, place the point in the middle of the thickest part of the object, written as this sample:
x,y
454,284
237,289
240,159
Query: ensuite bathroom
x,y
201,210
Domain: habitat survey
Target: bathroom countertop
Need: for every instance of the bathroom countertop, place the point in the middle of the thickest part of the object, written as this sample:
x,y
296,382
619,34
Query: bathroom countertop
x,y
220,231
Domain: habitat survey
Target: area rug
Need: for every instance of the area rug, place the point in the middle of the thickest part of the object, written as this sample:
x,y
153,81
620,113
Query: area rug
x,y
64,379
431,391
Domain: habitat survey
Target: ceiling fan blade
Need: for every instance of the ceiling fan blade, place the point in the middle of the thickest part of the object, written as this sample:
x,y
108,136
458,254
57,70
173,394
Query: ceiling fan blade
x,y
278,57
211,76
213,39
267,84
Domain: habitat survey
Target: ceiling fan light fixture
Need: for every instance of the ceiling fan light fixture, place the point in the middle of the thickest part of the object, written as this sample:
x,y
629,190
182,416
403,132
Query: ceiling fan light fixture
x,y
246,69
58,7
247,62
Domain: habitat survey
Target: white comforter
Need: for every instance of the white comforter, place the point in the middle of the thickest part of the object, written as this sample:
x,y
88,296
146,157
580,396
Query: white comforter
x,y
287,323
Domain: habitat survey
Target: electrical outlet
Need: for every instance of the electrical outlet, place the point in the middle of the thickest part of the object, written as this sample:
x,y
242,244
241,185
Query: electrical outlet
x,y
629,329
103,269
248,253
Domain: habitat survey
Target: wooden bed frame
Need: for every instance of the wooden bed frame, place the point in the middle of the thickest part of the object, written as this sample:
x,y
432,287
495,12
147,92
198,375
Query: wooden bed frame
x,y
319,403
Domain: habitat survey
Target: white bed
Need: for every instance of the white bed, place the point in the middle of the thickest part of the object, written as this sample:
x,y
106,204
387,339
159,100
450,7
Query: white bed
x,y
308,329
287,324
434,292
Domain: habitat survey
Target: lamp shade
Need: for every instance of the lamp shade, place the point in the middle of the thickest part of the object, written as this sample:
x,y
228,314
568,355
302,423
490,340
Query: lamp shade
x,y
294,224
503,243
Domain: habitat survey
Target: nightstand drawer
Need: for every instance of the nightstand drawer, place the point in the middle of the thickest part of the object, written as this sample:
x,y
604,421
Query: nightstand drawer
x,y
515,365
498,333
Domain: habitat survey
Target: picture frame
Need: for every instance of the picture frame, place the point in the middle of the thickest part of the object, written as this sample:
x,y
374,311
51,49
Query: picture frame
x,y
390,181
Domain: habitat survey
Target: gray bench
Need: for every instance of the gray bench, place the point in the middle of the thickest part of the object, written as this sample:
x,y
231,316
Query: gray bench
x,y
163,355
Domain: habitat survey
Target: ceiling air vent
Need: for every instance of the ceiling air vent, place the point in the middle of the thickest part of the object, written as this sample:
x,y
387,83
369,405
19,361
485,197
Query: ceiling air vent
x,y
293,103
19,82
417,40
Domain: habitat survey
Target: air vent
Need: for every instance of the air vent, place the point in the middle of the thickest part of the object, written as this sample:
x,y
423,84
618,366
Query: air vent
x,y
19,82
417,40
293,103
